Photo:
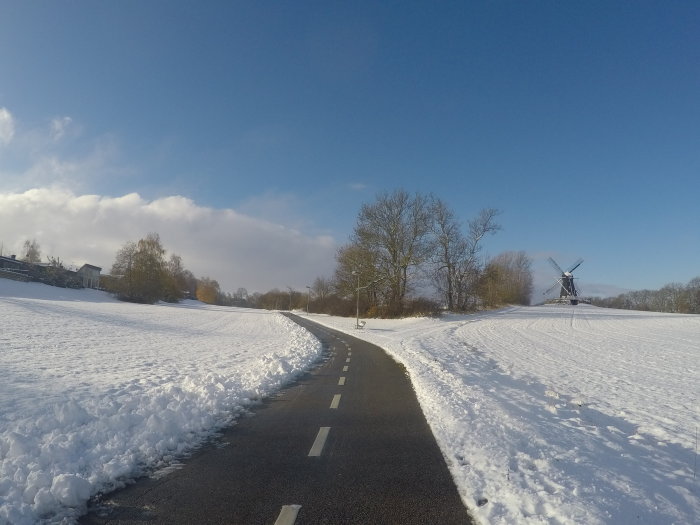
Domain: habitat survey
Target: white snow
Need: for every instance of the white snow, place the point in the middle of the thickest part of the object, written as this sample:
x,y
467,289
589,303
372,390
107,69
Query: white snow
x,y
94,391
559,414
554,414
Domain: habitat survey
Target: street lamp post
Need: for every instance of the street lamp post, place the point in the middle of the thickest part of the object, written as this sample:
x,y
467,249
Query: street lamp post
x,y
357,299
357,296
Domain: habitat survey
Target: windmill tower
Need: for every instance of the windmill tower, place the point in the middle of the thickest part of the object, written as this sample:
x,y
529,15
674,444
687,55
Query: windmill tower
x,y
568,291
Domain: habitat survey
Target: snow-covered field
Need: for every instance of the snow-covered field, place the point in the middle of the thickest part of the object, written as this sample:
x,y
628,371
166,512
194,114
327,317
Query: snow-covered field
x,y
554,414
93,391
559,414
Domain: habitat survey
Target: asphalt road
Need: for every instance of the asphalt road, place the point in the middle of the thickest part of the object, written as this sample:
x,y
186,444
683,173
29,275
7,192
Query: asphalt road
x,y
346,444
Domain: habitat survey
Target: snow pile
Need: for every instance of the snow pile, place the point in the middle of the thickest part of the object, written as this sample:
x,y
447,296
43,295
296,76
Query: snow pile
x,y
94,391
559,414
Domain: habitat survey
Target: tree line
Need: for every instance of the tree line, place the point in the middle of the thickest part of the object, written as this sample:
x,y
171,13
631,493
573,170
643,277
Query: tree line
x,y
672,298
410,254
142,273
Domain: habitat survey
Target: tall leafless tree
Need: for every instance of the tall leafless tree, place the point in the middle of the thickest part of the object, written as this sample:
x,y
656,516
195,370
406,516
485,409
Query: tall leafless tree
x,y
456,256
450,248
32,251
394,230
471,266
322,288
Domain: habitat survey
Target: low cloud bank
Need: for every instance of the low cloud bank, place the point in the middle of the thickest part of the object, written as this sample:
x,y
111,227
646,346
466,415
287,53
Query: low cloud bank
x,y
235,249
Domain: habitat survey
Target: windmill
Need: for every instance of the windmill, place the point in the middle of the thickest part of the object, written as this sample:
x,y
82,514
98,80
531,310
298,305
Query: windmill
x,y
566,281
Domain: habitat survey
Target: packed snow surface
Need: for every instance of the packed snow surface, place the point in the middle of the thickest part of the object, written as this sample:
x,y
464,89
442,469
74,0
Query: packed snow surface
x,y
94,391
559,414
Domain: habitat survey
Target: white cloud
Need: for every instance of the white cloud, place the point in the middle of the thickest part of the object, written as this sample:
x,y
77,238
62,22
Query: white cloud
x,y
59,126
283,208
36,164
7,126
235,249
40,156
259,246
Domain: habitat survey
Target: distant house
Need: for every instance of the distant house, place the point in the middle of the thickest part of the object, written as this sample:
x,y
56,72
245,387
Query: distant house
x,y
90,275
11,263
11,268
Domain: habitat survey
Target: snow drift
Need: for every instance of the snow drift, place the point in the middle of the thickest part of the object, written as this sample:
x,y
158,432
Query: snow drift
x,y
94,391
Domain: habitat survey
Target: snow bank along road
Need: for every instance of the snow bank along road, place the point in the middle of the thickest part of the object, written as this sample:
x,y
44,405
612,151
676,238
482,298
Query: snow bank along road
x,y
346,444
94,392
559,414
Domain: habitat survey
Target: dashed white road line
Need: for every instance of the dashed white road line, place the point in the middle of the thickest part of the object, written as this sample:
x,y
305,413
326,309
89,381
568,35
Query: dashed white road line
x,y
341,381
345,368
347,360
288,515
336,401
319,442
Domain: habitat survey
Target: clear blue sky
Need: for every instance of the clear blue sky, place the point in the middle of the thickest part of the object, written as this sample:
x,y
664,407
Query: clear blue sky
x,y
579,120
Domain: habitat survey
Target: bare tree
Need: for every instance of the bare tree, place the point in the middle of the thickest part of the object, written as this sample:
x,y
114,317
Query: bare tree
x,y
456,256
672,298
508,279
322,288
175,286
450,249
319,291
395,229
32,251
470,267
693,290
124,282
355,264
